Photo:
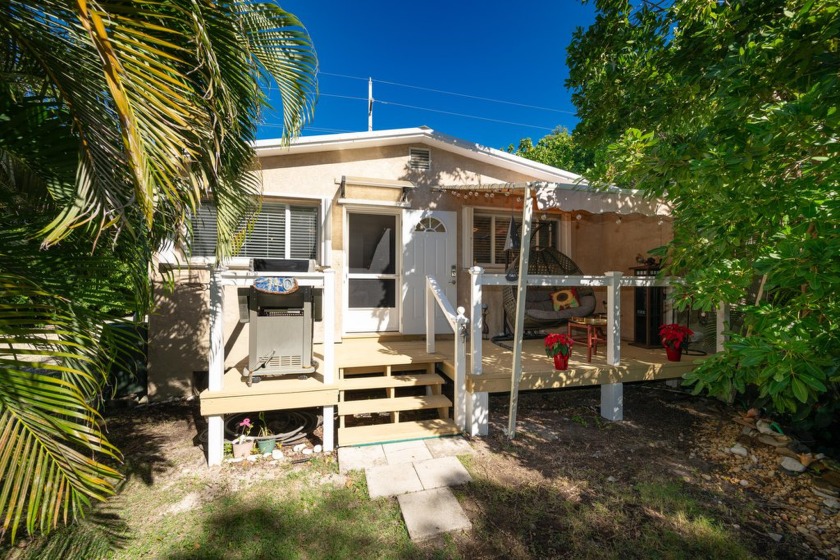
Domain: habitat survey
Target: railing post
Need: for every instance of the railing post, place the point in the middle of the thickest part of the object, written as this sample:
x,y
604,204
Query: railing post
x,y
430,317
612,394
477,403
328,303
462,324
216,366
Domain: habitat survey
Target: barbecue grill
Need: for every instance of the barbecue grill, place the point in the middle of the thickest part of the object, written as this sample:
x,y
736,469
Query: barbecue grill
x,y
280,316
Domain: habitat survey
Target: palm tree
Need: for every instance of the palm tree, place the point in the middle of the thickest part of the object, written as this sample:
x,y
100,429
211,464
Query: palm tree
x,y
116,119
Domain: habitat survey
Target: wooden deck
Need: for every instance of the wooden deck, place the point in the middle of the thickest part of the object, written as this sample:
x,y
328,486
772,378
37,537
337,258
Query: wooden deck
x,y
637,364
366,354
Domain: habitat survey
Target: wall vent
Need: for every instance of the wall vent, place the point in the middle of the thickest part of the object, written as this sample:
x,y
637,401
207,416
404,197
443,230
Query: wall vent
x,y
419,158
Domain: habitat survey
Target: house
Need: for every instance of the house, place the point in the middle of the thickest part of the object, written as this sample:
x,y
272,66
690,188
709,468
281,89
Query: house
x,y
383,210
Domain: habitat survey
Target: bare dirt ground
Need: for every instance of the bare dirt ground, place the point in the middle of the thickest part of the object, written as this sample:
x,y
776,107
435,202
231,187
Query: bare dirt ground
x,y
570,480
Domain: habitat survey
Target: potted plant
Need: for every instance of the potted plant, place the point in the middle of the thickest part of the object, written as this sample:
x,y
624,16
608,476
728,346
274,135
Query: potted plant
x,y
243,444
266,441
673,336
559,347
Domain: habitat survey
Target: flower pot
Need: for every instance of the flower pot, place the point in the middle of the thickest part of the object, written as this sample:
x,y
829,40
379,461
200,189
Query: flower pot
x,y
674,353
266,444
561,362
242,449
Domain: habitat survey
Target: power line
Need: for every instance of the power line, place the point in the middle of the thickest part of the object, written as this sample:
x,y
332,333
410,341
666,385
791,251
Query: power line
x,y
468,96
440,111
460,114
307,127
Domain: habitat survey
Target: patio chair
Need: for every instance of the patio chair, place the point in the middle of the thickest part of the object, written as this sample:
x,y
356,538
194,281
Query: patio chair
x,y
547,306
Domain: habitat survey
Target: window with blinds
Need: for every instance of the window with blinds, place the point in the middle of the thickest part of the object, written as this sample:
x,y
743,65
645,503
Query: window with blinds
x,y
490,231
281,231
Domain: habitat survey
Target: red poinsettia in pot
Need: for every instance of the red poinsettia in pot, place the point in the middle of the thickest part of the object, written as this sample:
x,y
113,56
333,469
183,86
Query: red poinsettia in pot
x,y
559,347
673,336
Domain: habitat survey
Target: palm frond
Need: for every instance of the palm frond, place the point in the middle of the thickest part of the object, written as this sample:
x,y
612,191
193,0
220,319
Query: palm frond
x,y
51,448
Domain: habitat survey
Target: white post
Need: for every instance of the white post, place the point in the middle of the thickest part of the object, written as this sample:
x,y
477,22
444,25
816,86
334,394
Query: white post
x,y
722,323
216,367
477,403
461,323
522,284
430,317
612,394
328,315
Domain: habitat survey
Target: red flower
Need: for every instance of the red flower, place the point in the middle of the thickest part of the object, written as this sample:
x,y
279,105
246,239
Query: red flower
x,y
558,344
673,335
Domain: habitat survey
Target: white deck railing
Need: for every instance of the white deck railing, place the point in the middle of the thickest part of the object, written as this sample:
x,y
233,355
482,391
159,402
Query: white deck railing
x,y
459,323
611,394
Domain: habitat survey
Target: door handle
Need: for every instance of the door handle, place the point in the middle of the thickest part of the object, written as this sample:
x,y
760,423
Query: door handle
x,y
453,274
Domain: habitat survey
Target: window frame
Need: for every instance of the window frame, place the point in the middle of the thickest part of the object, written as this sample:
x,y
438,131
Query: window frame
x,y
321,210
494,215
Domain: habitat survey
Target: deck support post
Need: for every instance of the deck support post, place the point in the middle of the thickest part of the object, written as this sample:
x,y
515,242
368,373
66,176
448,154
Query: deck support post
x,y
460,369
328,303
216,366
477,403
612,394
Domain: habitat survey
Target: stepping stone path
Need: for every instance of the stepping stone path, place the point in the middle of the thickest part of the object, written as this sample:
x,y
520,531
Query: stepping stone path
x,y
419,473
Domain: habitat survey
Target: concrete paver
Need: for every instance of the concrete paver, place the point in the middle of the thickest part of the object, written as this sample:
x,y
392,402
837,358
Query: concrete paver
x,y
360,458
432,512
418,473
449,447
398,455
443,471
400,445
392,480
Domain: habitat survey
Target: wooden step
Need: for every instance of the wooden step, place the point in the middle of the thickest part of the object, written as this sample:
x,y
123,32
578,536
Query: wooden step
x,y
374,406
383,433
360,383
386,369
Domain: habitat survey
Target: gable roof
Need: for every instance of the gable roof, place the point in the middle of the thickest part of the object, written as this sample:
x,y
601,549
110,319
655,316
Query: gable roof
x,y
419,135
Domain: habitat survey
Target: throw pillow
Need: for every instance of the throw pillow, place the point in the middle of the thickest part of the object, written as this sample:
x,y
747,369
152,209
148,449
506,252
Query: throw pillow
x,y
564,299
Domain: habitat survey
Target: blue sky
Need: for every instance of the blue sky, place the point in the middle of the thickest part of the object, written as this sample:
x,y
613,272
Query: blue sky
x,y
513,52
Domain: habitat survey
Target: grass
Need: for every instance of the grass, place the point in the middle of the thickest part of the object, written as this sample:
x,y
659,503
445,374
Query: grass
x,y
648,520
308,512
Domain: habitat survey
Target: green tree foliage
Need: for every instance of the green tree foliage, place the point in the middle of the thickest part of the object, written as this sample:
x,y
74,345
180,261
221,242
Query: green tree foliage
x,y
730,110
558,149
116,119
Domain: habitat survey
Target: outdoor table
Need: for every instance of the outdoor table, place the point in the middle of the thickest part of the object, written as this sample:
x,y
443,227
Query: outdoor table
x,y
594,328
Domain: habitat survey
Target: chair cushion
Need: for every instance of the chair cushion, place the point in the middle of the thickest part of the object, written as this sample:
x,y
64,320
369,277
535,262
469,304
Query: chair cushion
x,y
564,299
587,306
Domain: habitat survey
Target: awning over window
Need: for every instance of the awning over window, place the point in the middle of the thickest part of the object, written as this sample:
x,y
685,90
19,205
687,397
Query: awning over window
x,y
573,198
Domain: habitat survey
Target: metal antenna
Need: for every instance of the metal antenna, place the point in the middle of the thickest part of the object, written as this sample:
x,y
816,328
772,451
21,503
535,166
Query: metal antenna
x,y
370,104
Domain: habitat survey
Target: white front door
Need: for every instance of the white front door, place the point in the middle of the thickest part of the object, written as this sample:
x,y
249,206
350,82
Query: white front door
x,y
372,272
428,250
